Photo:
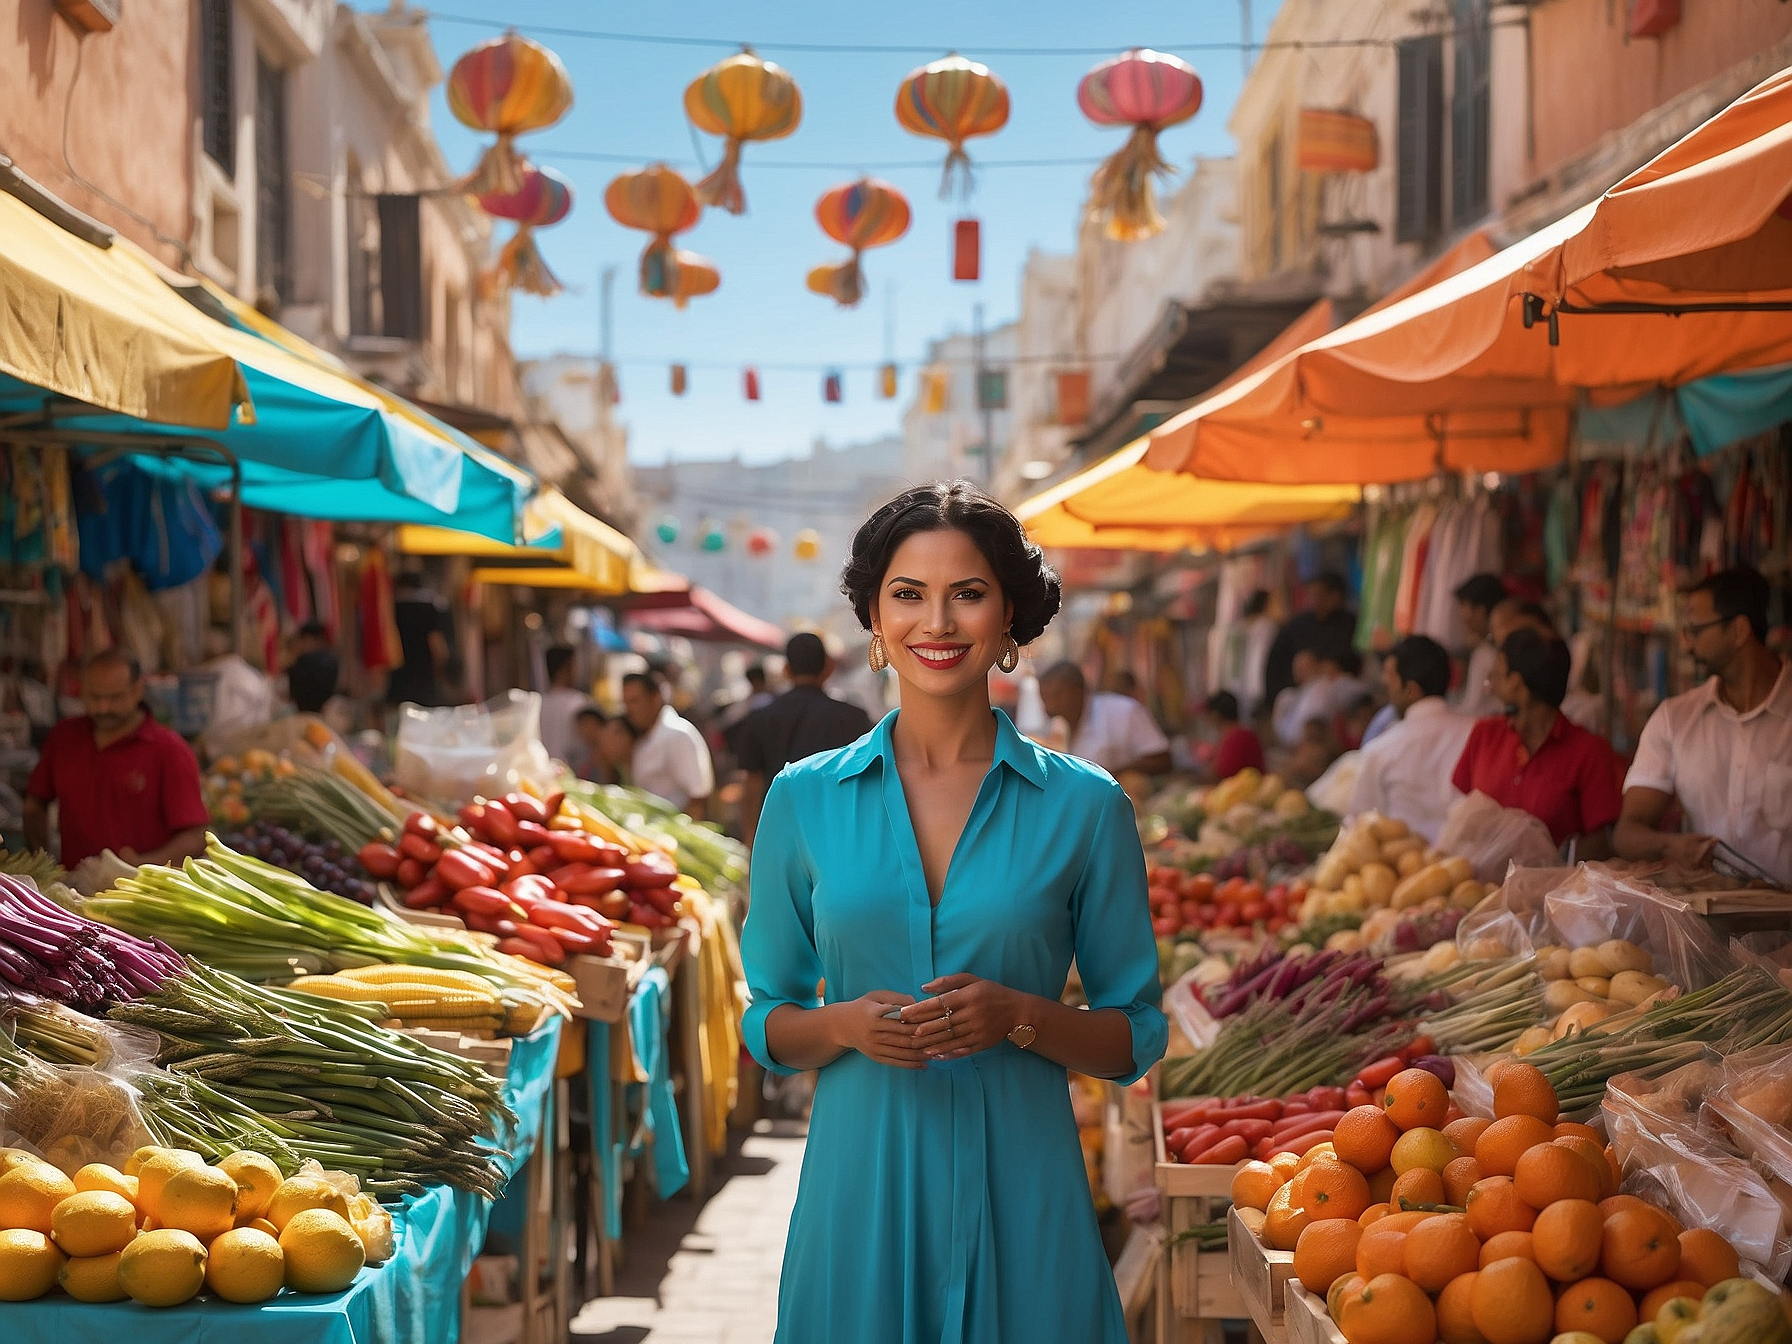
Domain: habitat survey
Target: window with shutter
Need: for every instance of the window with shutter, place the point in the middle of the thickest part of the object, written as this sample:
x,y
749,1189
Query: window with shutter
x,y
401,267
1418,210
273,198
1469,114
217,90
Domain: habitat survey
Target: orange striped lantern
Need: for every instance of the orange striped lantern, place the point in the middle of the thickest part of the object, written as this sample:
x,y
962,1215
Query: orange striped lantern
x,y
1331,141
862,214
694,275
509,86
659,201
545,198
1148,91
742,98
953,100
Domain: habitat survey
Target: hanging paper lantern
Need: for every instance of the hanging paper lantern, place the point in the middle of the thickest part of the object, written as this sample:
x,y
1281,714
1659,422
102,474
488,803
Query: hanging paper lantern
x,y
832,386
762,541
714,539
952,100
543,198
967,249
862,214
666,529
750,383
680,379
808,544
659,201
742,98
1148,91
509,86
692,277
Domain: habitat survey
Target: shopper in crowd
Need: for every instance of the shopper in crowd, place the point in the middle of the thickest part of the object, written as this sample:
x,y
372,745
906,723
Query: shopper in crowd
x,y
671,759
121,780
1328,685
1114,731
1516,613
1354,719
1259,636
1125,682
1723,749
1532,758
312,674
561,705
1580,705
1315,753
938,877
803,721
1405,772
426,640
1326,621
608,746
1475,600
1239,747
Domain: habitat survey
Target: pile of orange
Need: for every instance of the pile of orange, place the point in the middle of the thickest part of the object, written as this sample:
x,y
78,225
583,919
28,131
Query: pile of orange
x,y
1420,1225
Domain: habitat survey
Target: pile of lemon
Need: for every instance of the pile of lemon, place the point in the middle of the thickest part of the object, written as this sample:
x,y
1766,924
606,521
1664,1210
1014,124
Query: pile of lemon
x,y
169,1225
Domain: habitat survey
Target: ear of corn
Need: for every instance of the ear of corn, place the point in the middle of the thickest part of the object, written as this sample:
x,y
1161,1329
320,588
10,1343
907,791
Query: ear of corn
x,y
467,1024
418,975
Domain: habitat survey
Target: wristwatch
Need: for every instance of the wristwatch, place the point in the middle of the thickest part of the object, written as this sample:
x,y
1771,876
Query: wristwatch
x,y
1023,1035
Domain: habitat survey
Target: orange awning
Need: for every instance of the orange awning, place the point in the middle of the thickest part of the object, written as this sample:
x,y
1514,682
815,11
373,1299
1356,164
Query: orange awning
x,y
1666,279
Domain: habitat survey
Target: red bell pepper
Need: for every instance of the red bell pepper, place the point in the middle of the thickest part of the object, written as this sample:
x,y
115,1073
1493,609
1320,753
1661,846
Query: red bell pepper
x,y
532,833
494,925
575,942
550,805
485,901
420,848
500,823
574,847
525,808
490,854
513,946
379,859
421,823
652,869
531,887
472,817
409,873
426,895
463,868
549,952
1224,1153
580,879
544,858
665,900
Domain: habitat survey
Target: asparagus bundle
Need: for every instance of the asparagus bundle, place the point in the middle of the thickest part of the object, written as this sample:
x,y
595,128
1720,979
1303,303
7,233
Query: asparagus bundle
x,y
1270,1050
330,1084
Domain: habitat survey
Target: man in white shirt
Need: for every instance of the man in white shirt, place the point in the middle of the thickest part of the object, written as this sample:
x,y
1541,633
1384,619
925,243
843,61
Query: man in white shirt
x,y
1725,749
671,758
560,706
1114,731
1330,689
1476,599
1405,772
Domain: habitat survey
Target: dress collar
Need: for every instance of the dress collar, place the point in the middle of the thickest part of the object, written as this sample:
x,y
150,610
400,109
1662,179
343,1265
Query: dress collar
x,y
1019,754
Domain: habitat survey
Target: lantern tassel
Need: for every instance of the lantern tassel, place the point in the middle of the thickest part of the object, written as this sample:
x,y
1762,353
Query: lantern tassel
x,y
956,177
1122,196
847,283
500,169
659,267
722,187
521,266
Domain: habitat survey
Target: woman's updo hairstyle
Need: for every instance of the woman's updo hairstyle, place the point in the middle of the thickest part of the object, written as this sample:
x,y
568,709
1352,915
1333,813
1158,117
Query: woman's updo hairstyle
x,y
1027,581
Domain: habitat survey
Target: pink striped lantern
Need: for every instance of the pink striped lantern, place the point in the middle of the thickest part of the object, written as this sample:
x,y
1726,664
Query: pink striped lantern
x,y
1148,91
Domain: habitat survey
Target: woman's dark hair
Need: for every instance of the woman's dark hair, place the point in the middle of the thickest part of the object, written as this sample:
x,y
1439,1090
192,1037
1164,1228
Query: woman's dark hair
x,y
1027,581
1541,663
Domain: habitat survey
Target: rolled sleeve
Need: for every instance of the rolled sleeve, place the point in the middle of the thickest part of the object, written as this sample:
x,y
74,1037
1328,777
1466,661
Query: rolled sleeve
x,y
777,944
1653,767
1116,955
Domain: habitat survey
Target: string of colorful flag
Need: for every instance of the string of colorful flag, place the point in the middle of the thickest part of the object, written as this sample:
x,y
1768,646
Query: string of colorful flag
x,y
990,391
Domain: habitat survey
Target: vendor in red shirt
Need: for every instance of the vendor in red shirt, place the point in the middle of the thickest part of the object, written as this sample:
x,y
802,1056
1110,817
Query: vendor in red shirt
x,y
1533,758
124,781
1239,747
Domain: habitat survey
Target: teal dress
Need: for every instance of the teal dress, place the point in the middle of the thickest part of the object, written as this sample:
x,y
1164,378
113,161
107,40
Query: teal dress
x,y
948,1205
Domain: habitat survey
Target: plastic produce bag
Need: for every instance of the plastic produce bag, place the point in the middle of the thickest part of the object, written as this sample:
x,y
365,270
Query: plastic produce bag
x,y
1496,838
452,754
1669,1159
1752,1106
73,1116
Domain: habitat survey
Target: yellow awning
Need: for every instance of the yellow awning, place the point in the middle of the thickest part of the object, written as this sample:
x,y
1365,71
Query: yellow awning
x,y
94,324
591,555
1120,504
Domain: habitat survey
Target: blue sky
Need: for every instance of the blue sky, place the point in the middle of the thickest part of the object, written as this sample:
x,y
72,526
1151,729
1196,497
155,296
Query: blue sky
x,y
629,104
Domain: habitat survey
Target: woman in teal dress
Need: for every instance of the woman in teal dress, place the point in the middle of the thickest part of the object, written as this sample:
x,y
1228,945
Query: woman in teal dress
x,y
917,900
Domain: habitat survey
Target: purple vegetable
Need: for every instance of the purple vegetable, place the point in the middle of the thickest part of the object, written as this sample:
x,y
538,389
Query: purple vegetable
x,y
1445,1069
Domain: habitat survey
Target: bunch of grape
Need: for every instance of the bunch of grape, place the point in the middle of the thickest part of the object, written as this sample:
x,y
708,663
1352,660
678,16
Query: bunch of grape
x,y
325,865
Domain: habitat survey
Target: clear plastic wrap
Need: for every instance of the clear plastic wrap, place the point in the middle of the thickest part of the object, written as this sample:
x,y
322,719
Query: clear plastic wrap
x,y
1670,1159
1496,838
1752,1106
450,755
73,1116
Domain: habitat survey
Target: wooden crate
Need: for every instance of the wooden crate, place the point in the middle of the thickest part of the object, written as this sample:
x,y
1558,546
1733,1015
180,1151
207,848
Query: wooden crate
x,y
1201,1285
1308,1320
604,984
1262,1278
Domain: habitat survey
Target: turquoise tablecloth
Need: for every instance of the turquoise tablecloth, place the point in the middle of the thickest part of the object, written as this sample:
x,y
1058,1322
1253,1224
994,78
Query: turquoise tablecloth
x,y
414,1298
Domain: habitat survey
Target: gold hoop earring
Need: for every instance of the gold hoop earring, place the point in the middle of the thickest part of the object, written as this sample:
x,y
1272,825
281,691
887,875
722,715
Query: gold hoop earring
x,y
1010,658
878,657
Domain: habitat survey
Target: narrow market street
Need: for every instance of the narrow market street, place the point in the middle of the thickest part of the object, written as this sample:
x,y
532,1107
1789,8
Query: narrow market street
x,y
708,1274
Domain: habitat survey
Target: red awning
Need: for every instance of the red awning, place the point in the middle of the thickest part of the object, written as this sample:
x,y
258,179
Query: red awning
x,y
700,614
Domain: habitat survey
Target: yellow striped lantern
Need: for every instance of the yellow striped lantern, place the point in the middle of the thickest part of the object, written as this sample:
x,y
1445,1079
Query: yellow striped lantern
x,y
741,98
862,214
953,99
508,86
659,201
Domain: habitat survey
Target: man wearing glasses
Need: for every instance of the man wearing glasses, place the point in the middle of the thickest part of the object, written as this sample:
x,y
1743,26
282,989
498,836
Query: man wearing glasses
x,y
1724,749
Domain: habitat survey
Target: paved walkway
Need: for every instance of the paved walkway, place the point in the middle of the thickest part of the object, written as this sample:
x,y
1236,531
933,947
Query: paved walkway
x,y
708,1275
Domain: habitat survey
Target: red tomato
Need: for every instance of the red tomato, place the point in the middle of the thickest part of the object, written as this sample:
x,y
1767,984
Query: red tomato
x,y
1191,912
1276,923
1231,892
1200,887
1252,911
1165,926
1224,917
